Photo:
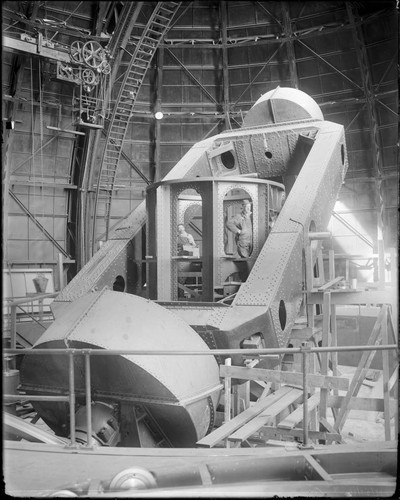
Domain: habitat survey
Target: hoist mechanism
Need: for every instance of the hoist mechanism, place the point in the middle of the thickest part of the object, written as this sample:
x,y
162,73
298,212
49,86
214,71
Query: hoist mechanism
x,y
250,199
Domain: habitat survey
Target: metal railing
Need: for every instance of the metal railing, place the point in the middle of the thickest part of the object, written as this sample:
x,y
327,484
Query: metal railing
x,y
247,353
13,304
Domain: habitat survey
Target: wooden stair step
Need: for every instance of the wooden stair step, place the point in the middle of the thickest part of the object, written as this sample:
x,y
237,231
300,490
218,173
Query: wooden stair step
x,y
297,416
260,420
226,429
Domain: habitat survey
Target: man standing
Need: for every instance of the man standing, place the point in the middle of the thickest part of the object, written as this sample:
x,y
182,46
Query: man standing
x,y
242,227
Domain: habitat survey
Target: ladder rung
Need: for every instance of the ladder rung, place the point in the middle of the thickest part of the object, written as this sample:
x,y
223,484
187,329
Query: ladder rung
x,y
162,17
158,23
162,7
122,110
145,52
145,59
138,73
155,31
135,70
151,44
131,85
132,78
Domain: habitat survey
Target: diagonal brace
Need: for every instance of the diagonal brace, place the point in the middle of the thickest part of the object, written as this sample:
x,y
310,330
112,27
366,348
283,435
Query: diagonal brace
x,y
362,369
35,221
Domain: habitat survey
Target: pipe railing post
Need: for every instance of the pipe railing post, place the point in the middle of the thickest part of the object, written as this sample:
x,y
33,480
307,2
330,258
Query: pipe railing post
x,y
13,332
227,398
71,397
60,267
305,350
13,327
88,401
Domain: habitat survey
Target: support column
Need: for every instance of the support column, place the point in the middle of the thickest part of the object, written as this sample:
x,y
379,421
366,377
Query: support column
x,y
156,174
374,131
289,45
225,71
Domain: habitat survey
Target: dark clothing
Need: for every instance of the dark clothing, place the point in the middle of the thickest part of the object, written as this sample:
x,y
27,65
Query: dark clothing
x,y
244,240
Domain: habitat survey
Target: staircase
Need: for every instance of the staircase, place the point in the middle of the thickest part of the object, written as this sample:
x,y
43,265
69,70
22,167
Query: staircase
x,y
145,49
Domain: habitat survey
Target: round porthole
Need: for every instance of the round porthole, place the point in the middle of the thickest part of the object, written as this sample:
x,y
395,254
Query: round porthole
x,y
119,284
268,154
228,160
282,314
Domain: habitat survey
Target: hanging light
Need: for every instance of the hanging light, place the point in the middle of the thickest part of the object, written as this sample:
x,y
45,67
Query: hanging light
x,y
158,114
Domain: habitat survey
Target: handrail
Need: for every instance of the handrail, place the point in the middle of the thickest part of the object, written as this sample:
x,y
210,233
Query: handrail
x,y
220,352
12,306
248,353
27,300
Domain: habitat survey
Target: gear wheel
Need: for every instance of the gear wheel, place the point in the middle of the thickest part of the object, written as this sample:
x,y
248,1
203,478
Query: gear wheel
x,y
93,54
89,76
76,51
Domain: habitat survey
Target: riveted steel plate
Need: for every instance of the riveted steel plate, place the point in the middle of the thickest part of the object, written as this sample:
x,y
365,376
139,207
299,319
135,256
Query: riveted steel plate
x,y
113,320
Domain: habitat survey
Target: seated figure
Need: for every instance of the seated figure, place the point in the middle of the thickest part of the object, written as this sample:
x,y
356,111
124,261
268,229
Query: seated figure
x,y
186,244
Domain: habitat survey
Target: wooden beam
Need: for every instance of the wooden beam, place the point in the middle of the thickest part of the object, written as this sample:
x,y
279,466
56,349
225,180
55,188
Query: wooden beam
x,y
361,370
269,432
329,428
326,320
255,424
283,377
330,283
385,378
58,129
11,44
361,404
297,416
353,297
225,430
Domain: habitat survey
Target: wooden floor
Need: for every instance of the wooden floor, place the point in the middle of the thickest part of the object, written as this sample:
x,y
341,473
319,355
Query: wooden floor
x,y
32,469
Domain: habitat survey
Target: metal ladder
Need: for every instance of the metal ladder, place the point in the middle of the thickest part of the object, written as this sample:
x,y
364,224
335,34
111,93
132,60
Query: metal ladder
x,y
147,45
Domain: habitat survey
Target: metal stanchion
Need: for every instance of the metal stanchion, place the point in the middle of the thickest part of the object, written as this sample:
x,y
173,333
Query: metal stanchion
x,y
72,397
88,401
305,350
227,398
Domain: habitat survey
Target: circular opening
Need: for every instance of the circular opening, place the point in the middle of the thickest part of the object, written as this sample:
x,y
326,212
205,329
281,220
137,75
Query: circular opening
x,y
119,284
282,314
342,153
268,154
228,160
